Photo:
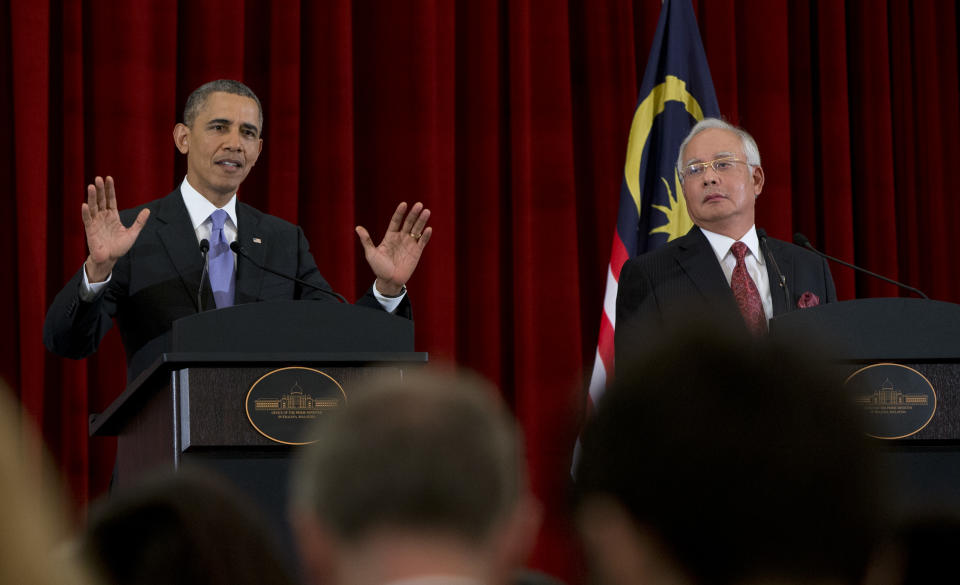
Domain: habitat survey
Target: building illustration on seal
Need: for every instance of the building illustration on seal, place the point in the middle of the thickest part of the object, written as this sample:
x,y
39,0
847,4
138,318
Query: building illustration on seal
x,y
296,400
887,396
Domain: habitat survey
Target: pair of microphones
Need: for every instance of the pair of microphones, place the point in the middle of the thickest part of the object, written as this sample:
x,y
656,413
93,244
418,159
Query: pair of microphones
x,y
238,249
804,242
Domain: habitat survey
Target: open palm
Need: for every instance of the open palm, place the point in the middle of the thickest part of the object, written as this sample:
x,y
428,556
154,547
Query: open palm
x,y
394,260
107,238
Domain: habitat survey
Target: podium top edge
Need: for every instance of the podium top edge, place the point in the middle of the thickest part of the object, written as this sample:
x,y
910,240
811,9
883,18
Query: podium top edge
x,y
174,360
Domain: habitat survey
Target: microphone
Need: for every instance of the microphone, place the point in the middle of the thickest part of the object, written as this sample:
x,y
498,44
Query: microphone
x,y
801,240
239,251
781,279
204,248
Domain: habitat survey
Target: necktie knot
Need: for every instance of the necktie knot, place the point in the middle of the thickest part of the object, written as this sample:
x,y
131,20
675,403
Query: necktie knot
x,y
220,262
218,217
745,292
739,250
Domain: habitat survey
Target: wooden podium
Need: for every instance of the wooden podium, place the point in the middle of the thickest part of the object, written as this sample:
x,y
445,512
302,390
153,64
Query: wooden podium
x,y
188,408
924,467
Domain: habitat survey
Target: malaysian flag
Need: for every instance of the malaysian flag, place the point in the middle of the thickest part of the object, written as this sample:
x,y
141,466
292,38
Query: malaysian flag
x,y
676,93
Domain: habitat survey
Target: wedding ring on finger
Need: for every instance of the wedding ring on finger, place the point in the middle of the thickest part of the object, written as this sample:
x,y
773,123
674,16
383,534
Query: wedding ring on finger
x,y
415,236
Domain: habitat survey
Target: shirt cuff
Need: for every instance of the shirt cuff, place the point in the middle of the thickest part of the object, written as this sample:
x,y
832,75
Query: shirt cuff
x,y
389,304
90,291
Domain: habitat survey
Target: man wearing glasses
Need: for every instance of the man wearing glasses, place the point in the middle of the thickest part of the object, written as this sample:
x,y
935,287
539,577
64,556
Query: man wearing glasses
x,y
722,269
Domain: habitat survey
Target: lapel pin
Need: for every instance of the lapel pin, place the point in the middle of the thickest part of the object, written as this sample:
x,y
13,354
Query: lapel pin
x,y
257,241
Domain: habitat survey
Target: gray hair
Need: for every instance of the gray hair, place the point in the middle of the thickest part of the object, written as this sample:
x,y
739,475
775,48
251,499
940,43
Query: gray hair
x,y
429,452
199,97
750,150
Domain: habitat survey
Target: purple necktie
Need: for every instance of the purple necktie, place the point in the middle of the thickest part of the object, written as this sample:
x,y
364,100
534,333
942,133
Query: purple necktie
x,y
746,293
220,262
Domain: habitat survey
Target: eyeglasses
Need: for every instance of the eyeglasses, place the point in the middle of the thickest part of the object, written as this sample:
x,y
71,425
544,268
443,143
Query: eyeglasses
x,y
720,165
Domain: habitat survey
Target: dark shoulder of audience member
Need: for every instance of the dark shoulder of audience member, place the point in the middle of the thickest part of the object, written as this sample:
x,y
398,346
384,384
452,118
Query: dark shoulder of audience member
x,y
189,527
920,550
745,459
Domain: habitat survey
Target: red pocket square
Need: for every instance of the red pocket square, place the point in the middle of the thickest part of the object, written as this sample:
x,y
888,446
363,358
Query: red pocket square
x,y
807,300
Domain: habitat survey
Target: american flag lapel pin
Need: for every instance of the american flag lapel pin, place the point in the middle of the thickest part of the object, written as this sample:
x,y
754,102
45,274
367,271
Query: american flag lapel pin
x,y
257,241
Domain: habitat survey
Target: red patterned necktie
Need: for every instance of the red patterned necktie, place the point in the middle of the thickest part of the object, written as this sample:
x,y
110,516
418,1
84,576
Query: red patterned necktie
x,y
746,293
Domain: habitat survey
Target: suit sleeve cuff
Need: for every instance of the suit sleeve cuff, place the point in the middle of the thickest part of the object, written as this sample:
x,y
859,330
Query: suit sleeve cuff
x,y
90,291
389,304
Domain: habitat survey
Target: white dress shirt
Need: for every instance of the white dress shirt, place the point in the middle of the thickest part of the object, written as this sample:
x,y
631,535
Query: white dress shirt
x,y
199,208
756,265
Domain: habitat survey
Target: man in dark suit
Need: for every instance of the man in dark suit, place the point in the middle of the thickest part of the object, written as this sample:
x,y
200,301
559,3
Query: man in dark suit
x,y
723,268
145,267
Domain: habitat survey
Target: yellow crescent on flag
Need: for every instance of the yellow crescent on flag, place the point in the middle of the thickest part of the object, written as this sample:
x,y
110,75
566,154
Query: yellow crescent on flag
x,y
673,89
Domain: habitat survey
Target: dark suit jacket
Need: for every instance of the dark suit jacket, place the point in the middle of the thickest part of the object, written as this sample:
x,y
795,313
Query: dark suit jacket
x,y
682,282
157,281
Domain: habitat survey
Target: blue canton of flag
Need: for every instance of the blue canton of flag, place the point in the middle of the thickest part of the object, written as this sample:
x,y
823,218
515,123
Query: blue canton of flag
x,y
676,93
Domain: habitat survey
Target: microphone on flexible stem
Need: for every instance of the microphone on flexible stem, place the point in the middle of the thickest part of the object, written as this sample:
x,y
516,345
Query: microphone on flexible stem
x,y
204,249
239,251
781,279
801,240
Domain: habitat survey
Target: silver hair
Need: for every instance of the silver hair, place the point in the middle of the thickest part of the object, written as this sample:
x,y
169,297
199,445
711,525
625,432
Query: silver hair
x,y
750,150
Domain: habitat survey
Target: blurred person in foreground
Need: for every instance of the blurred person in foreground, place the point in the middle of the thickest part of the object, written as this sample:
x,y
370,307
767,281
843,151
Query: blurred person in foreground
x,y
727,461
188,528
919,550
419,481
33,542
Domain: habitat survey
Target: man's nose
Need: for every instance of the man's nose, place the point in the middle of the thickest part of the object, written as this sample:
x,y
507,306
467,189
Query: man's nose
x,y
710,175
233,140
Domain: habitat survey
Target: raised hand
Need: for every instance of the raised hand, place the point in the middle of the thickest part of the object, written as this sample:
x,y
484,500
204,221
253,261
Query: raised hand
x,y
107,238
395,259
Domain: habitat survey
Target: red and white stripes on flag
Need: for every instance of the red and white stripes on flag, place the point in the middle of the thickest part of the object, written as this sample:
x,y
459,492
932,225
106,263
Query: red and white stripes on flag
x,y
675,94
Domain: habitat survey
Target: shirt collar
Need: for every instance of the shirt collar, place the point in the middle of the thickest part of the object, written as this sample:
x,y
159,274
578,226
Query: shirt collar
x,y
721,244
200,208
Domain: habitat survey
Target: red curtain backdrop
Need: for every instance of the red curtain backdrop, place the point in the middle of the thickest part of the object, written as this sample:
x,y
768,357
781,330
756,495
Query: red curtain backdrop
x,y
509,120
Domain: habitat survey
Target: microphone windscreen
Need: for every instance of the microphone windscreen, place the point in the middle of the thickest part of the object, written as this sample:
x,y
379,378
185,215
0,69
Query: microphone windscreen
x,y
204,245
800,240
236,247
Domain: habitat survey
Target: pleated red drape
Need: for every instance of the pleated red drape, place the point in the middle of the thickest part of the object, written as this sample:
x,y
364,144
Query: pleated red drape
x,y
509,120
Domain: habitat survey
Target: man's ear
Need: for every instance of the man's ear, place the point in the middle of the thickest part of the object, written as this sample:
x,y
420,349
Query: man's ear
x,y
518,534
758,179
181,137
317,549
620,551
